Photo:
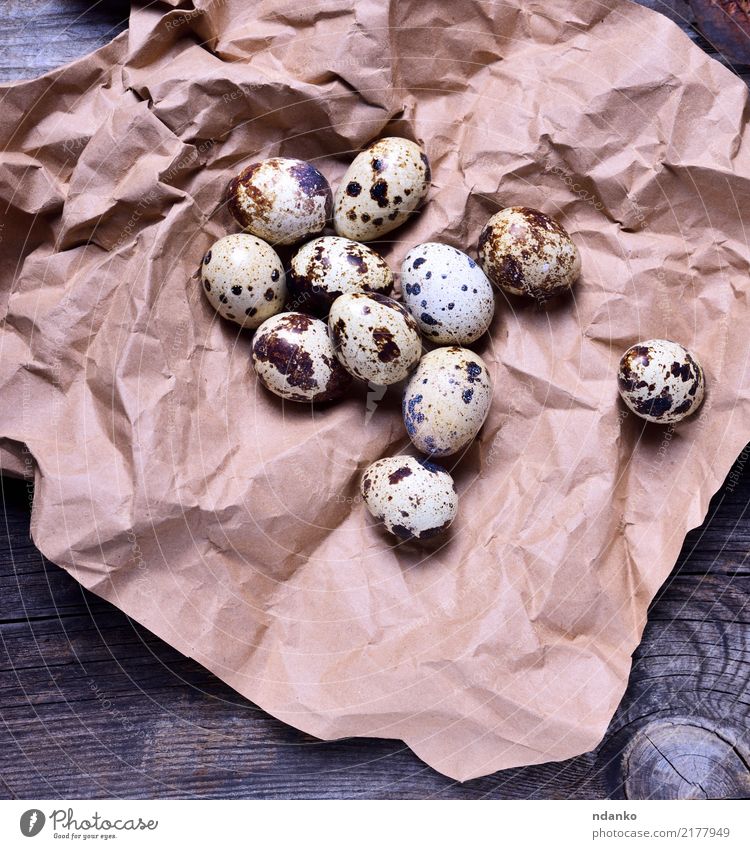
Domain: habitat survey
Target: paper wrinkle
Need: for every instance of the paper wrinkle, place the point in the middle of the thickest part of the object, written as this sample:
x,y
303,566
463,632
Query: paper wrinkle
x,y
228,523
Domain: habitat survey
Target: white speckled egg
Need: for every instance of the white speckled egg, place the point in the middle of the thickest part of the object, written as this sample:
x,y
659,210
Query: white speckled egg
x,y
525,252
446,400
661,381
243,279
281,200
383,186
415,499
374,337
293,358
330,266
447,293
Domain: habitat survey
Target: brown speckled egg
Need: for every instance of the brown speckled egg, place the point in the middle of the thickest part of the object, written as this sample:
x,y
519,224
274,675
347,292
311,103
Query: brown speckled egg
x,y
447,293
281,200
293,358
383,186
661,381
447,400
415,499
374,337
525,252
330,266
243,279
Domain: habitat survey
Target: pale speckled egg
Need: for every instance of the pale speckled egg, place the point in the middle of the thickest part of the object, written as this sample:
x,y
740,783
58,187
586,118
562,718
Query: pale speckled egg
x,y
294,359
330,266
447,400
525,252
383,186
661,381
281,200
415,499
243,279
374,337
447,293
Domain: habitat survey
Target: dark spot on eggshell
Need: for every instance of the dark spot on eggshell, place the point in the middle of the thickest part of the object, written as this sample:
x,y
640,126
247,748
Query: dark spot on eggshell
x,y
207,258
402,532
683,371
353,189
268,294
275,275
379,193
289,359
387,348
511,273
365,217
297,322
474,370
251,311
413,288
338,332
352,215
236,290
426,318
242,184
655,407
223,299
398,200
412,416
399,475
467,395
417,262
431,467
538,219
310,180
207,285
377,221
357,261
683,407
433,532
366,484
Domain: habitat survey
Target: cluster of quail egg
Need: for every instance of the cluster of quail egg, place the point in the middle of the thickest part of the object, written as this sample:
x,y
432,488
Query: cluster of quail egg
x,y
333,317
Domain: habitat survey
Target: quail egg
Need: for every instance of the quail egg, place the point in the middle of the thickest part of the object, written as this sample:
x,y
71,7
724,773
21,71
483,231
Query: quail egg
x,y
293,358
661,381
415,499
327,267
281,200
243,279
374,337
383,186
525,252
447,293
446,400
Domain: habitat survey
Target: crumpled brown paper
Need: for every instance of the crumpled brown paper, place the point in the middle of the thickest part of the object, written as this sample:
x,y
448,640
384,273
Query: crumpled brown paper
x,y
228,523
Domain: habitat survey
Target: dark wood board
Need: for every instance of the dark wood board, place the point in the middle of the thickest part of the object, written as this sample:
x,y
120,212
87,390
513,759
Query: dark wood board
x,y
92,705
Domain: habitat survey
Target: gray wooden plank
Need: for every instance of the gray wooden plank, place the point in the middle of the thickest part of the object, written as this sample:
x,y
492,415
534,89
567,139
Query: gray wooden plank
x,y
39,35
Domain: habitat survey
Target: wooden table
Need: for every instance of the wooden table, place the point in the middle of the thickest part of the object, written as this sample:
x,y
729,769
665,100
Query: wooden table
x,y
92,705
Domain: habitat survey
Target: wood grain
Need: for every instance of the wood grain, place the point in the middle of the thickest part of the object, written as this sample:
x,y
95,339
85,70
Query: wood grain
x,y
93,706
